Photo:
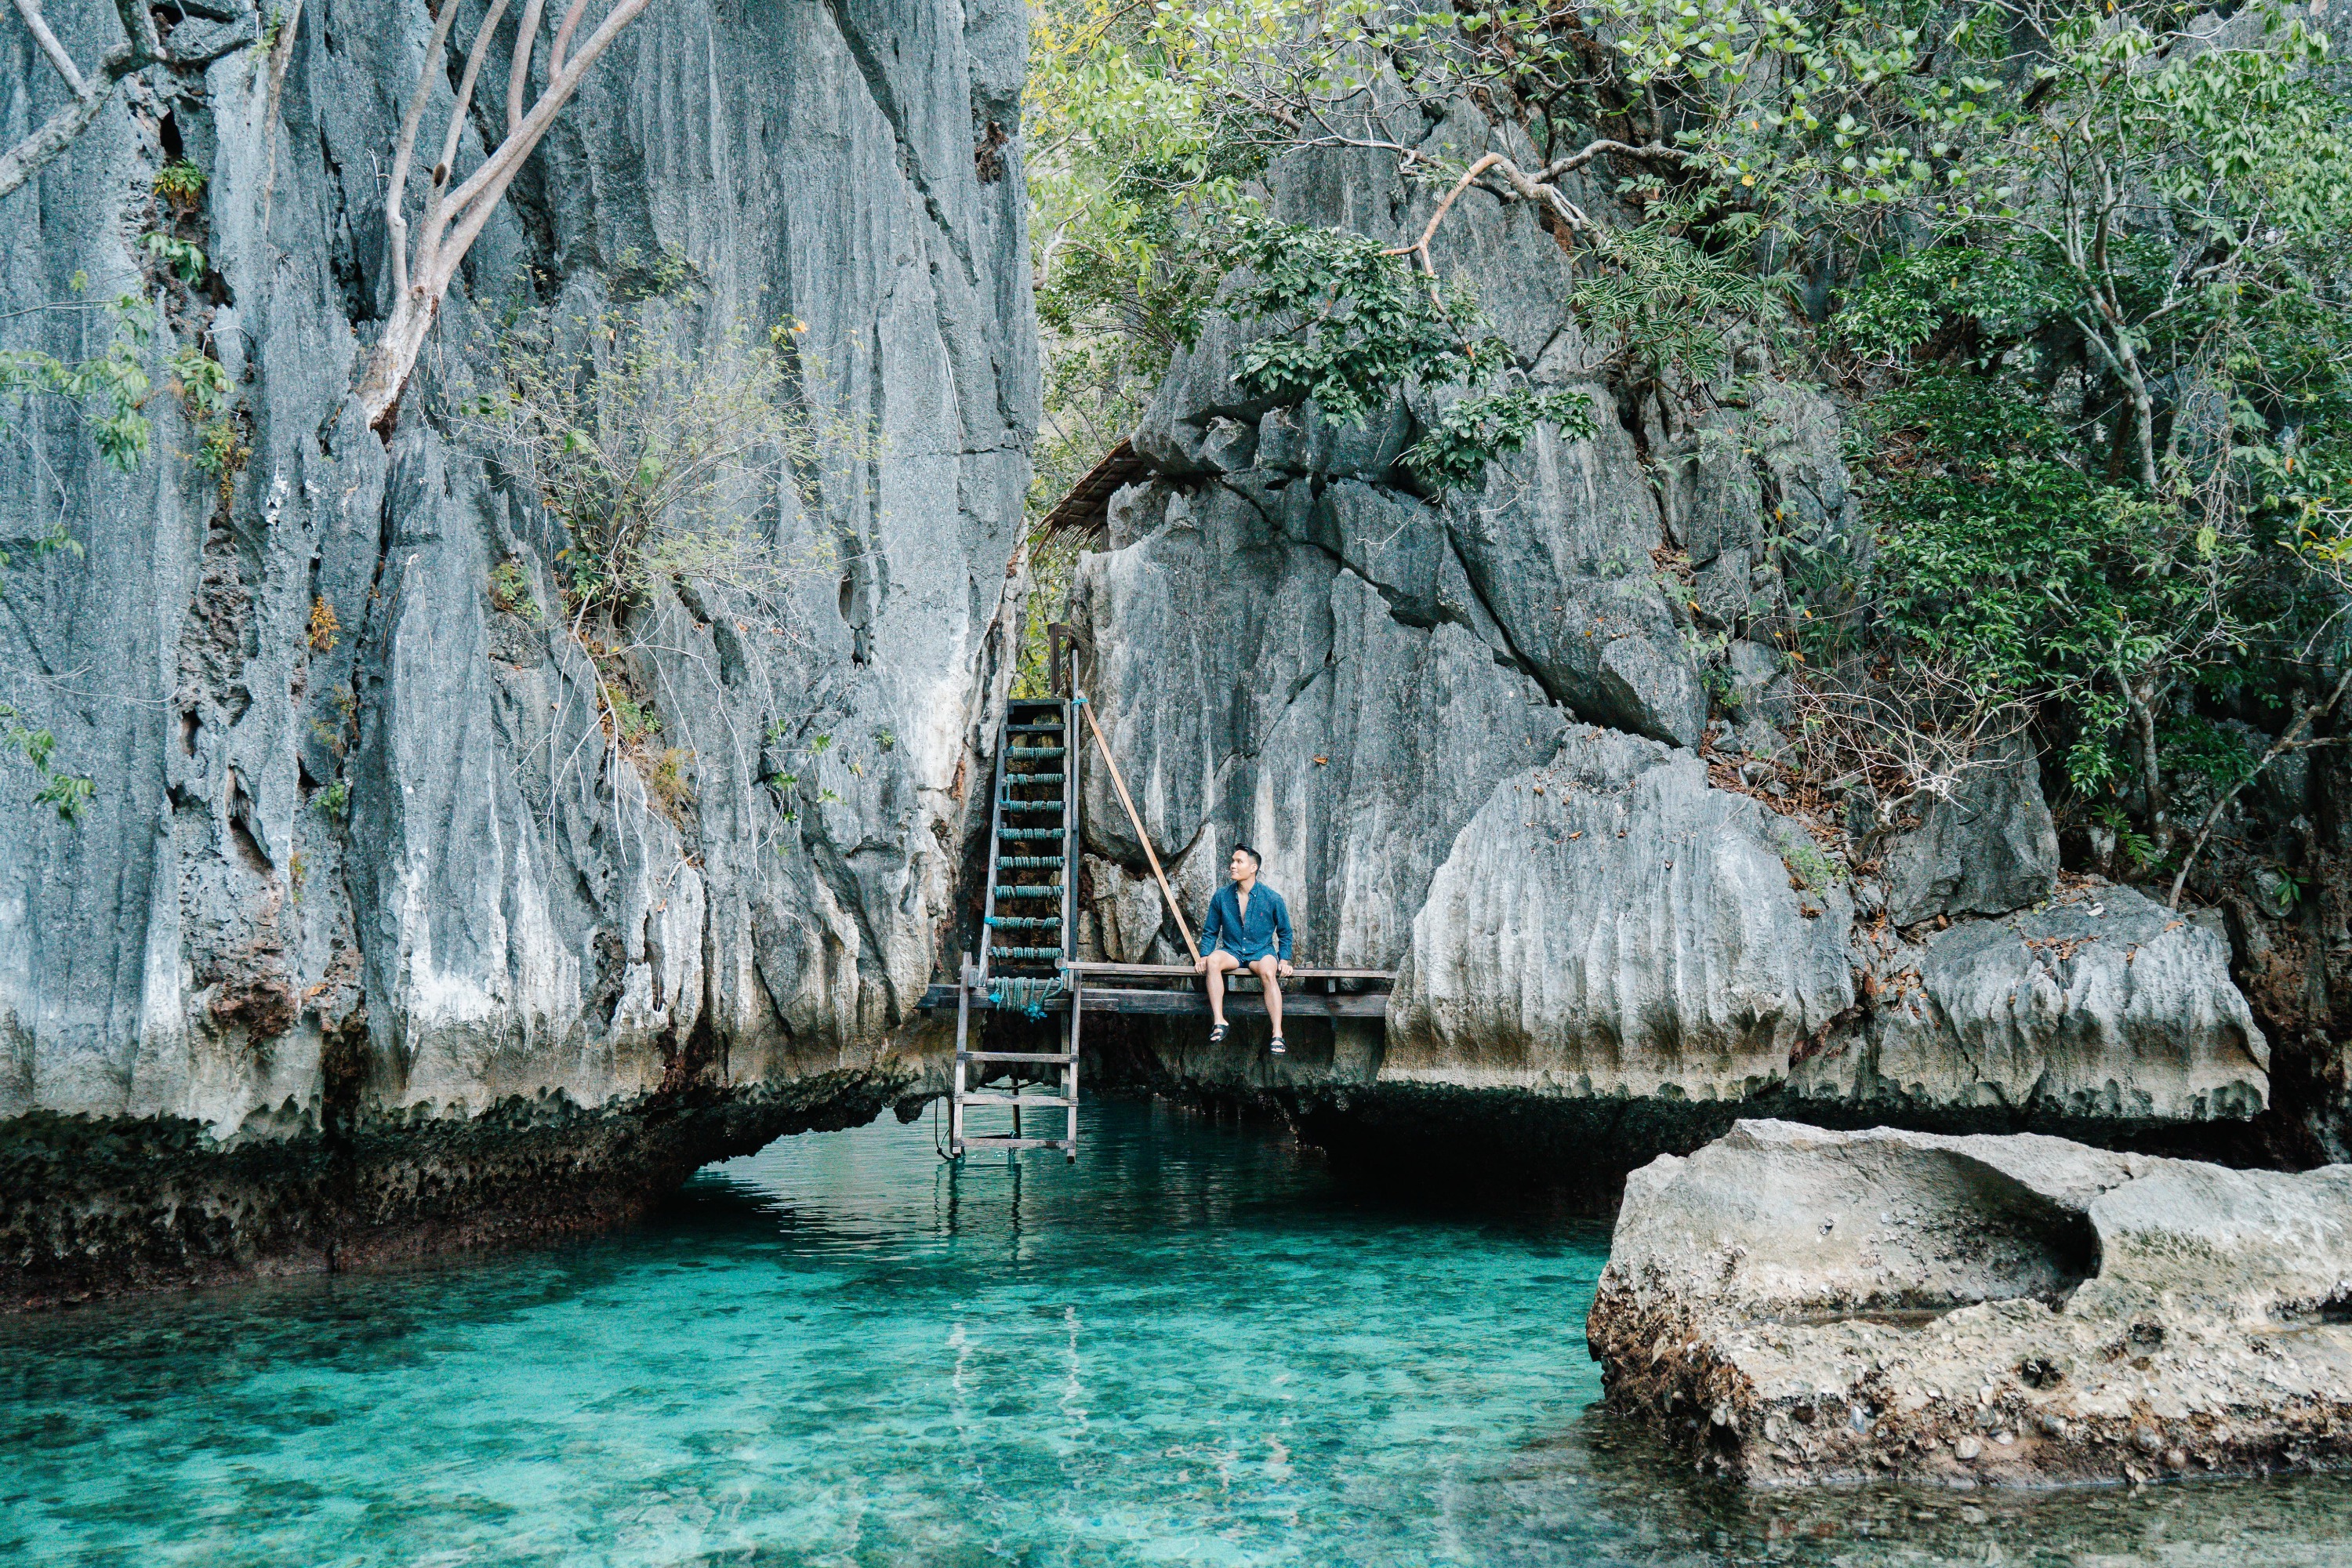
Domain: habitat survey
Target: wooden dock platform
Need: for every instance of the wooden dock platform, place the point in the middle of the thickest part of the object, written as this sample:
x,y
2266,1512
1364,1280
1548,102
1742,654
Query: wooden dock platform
x,y
1173,990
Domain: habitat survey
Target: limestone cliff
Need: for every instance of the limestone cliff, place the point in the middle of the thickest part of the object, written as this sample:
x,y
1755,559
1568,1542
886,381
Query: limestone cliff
x,y
366,934
1519,745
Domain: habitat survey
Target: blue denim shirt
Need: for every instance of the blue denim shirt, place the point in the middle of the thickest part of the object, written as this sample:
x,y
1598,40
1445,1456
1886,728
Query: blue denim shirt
x,y
1266,927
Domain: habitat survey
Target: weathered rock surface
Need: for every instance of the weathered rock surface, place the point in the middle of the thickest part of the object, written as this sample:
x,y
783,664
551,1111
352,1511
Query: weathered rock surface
x,y
1609,924
1798,1305
1986,848
1291,646
2102,1005
223,954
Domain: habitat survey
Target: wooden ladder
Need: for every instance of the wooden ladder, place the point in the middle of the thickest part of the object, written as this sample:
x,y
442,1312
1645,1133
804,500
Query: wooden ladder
x,y
1032,854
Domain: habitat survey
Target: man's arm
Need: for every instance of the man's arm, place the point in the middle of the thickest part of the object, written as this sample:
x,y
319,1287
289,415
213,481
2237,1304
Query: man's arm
x,y
1282,930
1212,928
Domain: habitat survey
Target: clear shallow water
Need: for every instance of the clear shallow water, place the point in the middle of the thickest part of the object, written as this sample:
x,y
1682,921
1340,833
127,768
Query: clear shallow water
x,y
1192,1347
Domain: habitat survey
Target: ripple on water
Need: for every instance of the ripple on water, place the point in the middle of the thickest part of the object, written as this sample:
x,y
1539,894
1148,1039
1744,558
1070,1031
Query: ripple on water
x,y
1193,1347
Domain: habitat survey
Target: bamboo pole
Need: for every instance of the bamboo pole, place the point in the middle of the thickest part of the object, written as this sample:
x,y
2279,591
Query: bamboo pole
x,y
1142,837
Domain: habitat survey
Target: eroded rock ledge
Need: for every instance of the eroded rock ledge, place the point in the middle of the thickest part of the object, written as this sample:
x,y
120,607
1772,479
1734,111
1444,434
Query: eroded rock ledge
x,y
1798,1306
91,1206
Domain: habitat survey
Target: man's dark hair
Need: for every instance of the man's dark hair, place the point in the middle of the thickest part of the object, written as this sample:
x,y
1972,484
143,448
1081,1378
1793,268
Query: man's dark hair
x,y
1255,858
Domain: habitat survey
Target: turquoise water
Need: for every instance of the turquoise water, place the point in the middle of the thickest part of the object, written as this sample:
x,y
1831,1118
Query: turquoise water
x,y
1193,1347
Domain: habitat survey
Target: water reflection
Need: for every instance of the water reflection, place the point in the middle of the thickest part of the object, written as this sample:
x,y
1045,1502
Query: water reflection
x,y
1191,1347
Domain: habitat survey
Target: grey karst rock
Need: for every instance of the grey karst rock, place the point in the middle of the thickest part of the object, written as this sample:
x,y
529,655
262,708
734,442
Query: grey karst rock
x,y
1256,689
367,934
1555,547
1292,644
2102,1006
1761,685
1986,848
1804,1306
1609,924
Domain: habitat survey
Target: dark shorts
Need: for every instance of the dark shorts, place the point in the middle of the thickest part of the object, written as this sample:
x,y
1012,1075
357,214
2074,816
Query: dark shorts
x,y
1245,952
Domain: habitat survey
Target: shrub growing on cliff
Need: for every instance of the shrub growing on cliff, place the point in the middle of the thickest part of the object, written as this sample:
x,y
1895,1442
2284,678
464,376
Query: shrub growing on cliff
x,y
662,448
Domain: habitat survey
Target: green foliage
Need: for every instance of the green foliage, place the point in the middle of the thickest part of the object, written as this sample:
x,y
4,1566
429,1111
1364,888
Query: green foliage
x,y
180,184
67,792
184,257
108,388
1453,451
2004,562
334,802
511,590
652,437
636,722
1669,303
1352,324
199,381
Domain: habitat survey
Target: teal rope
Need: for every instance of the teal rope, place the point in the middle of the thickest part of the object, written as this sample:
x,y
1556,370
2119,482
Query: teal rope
x,y
1024,994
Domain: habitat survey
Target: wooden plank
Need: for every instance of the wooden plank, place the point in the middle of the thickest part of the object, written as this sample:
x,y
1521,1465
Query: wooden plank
x,y
980,1140
1187,1003
976,1098
1011,1055
1127,999
1159,970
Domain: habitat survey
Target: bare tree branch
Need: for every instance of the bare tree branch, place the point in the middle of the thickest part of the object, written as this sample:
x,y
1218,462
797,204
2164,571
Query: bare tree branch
x,y
422,272
2292,740
91,89
39,28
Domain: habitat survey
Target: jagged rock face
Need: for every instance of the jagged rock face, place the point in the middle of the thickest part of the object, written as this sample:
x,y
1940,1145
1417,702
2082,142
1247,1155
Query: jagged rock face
x,y
1473,738
1986,848
1262,691
2100,1005
1800,1305
1609,924
502,907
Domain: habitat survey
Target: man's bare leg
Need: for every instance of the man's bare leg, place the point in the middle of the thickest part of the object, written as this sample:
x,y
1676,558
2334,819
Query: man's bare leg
x,y
1264,969
1218,964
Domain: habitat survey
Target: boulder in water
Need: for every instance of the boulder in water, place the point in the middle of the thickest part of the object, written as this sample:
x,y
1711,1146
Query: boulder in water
x,y
1802,1306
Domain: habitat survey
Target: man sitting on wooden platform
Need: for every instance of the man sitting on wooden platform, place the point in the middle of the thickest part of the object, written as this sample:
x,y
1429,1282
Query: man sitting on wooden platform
x,y
1248,928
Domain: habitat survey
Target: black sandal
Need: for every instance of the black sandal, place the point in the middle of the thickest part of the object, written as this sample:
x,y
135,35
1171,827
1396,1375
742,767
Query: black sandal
x,y
1217,1033
1277,1048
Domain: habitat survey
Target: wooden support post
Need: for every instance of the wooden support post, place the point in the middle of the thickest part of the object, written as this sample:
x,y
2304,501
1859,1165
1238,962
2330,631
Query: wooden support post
x,y
1070,1070
963,1039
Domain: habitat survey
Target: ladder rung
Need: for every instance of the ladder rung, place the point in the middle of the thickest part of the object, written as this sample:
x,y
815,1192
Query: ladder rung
x,y
1033,729
1031,804
1012,779
1027,862
1036,751
1014,1056
1028,833
1041,954
980,1141
1025,922
1051,890
1061,1100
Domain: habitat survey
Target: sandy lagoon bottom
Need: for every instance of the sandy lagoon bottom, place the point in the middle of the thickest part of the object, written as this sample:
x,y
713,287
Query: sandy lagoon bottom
x,y
1193,1347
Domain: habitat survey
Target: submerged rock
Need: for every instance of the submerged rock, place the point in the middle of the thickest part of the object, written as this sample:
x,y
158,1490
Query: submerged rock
x,y
1799,1306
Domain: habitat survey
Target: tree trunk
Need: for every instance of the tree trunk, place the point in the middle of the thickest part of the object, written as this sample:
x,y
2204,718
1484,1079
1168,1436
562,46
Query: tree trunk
x,y
2142,698
394,359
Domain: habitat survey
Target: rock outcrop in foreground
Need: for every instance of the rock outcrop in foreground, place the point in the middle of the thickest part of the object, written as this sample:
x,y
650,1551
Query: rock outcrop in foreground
x,y
1804,1305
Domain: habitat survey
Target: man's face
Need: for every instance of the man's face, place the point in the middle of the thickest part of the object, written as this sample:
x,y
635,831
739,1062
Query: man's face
x,y
1242,866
